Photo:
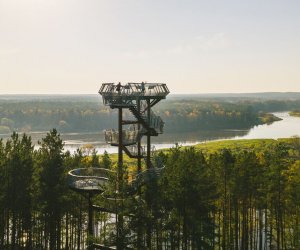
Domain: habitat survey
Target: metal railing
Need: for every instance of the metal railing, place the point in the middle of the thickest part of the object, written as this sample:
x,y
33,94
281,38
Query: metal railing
x,y
149,89
143,150
134,150
89,179
119,94
129,137
156,123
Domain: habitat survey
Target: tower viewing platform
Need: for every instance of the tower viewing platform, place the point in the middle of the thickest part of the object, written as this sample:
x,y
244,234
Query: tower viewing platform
x,y
117,95
87,180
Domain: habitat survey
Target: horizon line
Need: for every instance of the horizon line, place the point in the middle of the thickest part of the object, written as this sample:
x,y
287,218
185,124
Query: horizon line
x,y
204,93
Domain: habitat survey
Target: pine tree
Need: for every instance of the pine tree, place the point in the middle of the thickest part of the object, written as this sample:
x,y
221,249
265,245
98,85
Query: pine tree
x,y
106,161
95,162
53,185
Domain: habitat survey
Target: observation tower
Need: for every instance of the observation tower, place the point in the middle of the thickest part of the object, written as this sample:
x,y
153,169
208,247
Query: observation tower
x,y
138,98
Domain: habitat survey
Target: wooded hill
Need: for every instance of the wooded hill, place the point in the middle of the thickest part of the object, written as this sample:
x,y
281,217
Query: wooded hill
x,y
181,113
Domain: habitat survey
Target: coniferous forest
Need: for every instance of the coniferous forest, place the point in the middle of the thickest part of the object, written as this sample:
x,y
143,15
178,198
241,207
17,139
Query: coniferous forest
x,y
244,195
149,125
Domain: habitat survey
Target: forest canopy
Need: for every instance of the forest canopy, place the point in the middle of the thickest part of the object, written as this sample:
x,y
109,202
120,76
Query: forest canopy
x,y
221,195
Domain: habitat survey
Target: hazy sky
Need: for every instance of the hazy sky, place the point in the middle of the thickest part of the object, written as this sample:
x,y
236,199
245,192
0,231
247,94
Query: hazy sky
x,y
200,46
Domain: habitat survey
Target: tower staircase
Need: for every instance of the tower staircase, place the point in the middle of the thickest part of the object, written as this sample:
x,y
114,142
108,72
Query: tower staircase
x,y
139,98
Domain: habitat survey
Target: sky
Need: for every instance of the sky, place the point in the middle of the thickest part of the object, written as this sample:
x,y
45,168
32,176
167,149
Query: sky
x,y
194,46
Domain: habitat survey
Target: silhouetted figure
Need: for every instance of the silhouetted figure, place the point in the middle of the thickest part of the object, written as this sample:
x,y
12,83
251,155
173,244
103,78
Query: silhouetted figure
x,y
118,88
143,87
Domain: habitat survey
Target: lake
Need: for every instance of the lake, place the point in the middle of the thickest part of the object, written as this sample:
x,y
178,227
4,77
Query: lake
x,y
287,127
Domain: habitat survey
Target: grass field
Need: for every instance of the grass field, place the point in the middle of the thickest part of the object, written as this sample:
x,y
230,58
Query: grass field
x,y
214,146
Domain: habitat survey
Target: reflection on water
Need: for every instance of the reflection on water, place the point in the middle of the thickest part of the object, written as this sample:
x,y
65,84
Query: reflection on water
x,y
198,136
287,127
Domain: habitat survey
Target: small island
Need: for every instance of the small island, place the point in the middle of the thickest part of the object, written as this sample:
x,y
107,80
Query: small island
x,y
295,113
268,118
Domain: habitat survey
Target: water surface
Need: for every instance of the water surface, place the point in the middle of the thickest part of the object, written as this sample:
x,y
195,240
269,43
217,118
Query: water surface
x,y
287,127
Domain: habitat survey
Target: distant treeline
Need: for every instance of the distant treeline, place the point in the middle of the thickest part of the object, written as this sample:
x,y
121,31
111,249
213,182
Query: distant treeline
x,y
89,114
194,115
66,116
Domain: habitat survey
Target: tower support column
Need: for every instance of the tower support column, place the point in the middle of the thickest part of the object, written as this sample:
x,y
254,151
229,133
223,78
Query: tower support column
x,y
148,191
148,135
91,221
139,169
119,188
139,160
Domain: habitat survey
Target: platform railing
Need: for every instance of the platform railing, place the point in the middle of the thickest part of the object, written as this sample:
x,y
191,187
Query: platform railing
x,y
143,150
134,150
119,93
129,136
89,179
156,123
149,89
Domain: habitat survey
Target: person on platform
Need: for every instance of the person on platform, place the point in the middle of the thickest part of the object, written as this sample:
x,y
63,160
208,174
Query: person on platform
x,y
143,87
118,88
